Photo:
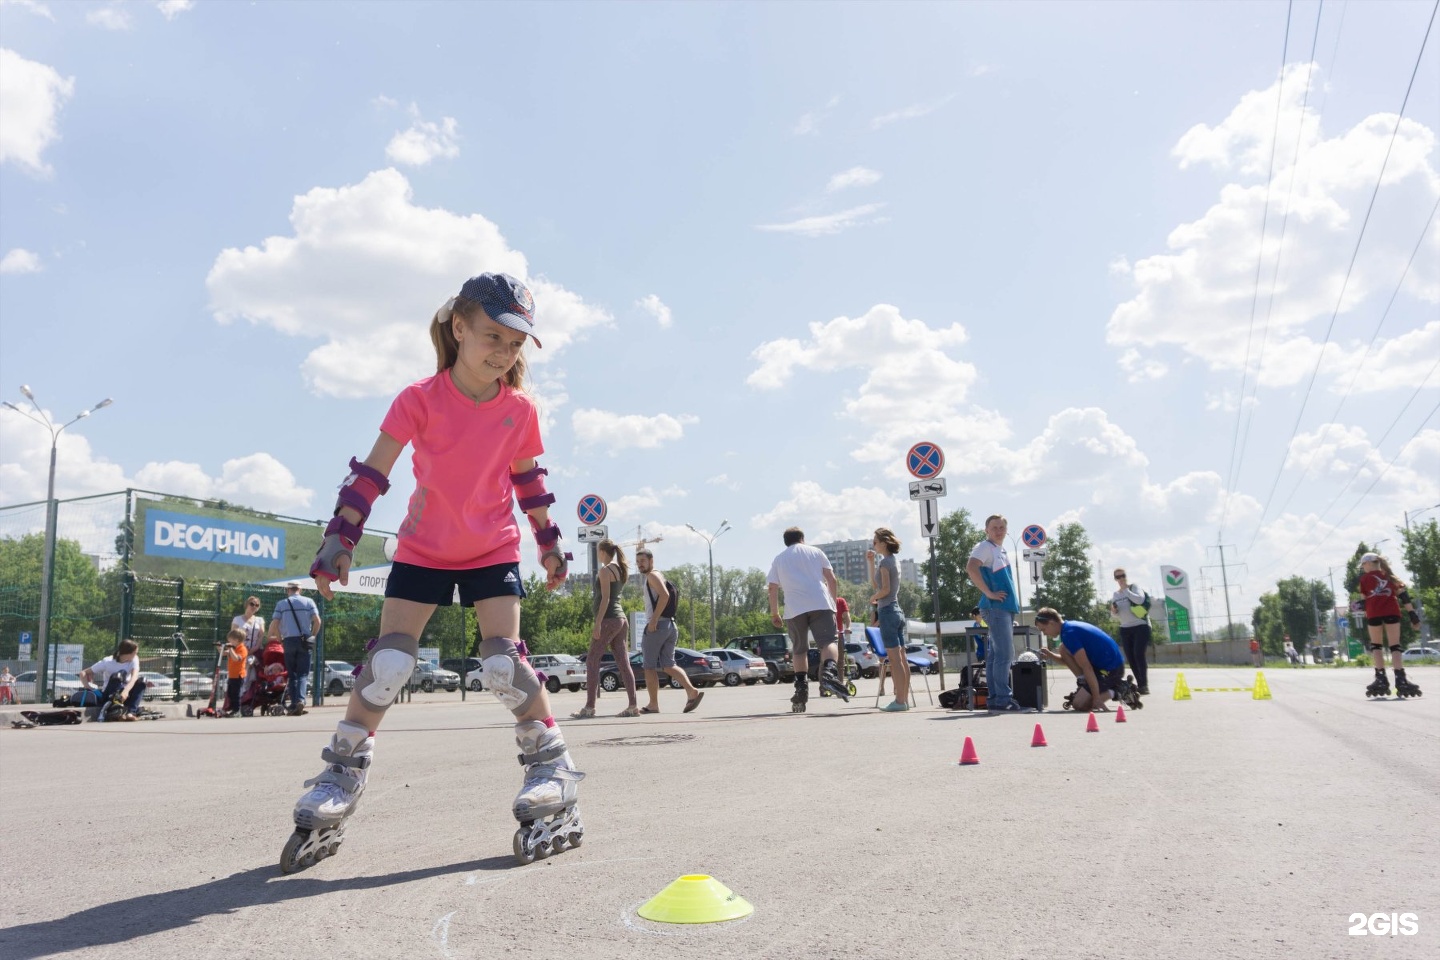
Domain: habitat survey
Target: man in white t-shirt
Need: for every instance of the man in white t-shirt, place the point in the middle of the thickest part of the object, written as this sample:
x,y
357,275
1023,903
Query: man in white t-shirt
x,y
808,581
118,677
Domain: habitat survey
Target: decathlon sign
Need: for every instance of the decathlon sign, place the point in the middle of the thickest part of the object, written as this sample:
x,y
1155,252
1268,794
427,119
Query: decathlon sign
x,y
213,540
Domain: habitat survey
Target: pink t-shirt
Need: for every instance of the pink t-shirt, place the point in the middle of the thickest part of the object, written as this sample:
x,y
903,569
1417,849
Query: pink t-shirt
x,y
462,512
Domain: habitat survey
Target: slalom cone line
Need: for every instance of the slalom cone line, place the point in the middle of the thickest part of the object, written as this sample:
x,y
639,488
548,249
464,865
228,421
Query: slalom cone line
x,y
695,898
1038,740
1182,689
1092,726
1120,713
968,754
1261,690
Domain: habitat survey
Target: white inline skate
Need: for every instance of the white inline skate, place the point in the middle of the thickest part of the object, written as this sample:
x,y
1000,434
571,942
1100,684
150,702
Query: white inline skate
x,y
320,814
546,803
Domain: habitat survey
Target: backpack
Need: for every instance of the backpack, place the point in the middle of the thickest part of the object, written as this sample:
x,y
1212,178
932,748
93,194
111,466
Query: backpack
x,y
669,611
1142,609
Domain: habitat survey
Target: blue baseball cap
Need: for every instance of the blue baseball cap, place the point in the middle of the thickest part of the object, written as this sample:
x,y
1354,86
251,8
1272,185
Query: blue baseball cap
x,y
505,300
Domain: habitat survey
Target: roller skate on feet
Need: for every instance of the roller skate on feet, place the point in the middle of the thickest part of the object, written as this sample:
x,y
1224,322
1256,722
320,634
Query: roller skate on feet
x,y
1403,687
830,680
799,699
320,814
546,804
1379,687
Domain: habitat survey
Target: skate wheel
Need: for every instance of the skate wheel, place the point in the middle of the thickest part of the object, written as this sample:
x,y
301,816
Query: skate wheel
x,y
522,855
288,862
558,844
543,849
574,839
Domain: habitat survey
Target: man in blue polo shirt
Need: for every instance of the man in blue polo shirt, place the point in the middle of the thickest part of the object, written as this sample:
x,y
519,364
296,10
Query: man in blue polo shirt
x,y
1090,654
989,569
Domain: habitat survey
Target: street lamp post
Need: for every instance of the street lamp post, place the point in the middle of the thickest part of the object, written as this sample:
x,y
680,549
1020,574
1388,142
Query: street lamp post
x,y
48,570
710,546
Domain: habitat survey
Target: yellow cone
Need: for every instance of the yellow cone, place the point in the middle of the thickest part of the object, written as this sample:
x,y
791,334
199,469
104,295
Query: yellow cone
x,y
695,898
1182,690
1261,689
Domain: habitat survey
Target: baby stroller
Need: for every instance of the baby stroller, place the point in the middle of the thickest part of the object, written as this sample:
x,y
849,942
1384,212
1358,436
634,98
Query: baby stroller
x,y
267,693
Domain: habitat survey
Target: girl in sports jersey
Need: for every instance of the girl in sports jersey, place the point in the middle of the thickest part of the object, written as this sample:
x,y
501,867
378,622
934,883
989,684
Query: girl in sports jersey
x,y
475,437
1381,591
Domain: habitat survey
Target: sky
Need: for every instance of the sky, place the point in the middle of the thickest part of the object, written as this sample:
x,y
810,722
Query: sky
x,y
1129,264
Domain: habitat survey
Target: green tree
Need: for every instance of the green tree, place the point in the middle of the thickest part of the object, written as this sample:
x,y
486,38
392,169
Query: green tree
x,y
958,596
78,611
1290,609
1422,560
1068,584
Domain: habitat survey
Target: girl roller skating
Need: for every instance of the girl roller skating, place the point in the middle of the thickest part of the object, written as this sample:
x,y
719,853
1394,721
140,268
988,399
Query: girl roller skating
x,y
1382,591
475,436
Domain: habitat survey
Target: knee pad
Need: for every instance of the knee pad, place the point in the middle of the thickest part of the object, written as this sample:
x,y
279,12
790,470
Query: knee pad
x,y
1376,646
1394,648
389,668
506,675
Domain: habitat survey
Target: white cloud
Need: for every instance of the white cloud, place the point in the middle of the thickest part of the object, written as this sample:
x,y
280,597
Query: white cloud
x,y
810,122
30,99
1139,368
20,260
1198,296
382,102
827,224
258,480
173,8
109,18
366,268
619,431
723,480
913,112
845,514
854,177
657,309
32,6
424,141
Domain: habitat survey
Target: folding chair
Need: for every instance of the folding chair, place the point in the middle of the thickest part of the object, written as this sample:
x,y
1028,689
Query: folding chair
x,y
877,643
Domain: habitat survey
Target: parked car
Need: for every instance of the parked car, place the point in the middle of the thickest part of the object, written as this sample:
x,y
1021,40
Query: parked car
x,y
920,658
427,677
62,684
1420,653
703,671
863,661
462,665
928,649
773,648
739,666
560,670
196,686
339,677
158,686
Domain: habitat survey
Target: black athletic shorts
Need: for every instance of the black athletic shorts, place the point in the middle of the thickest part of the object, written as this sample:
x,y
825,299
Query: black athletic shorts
x,y
428,585
1109,680
1377,621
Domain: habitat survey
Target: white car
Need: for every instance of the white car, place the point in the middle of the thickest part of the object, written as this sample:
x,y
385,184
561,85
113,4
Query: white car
x,y
862,657
739,666
62,684
157,685
196,686
1420,653
560,669
339,677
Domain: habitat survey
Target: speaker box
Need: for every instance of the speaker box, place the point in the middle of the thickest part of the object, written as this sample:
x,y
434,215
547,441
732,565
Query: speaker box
x,y
1027,684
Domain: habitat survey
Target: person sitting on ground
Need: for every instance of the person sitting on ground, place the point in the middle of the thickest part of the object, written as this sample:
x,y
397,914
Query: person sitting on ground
x,y
1089,653
118,677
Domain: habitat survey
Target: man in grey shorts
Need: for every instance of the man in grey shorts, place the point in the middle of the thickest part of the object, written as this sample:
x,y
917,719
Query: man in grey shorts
x,y
805,575
660,635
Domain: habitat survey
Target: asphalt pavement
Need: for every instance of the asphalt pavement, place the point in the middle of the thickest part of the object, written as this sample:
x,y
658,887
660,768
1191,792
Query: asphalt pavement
x,y
1211,828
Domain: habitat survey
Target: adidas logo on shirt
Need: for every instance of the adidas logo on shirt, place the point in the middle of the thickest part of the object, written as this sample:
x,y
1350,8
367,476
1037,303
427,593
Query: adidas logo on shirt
x,y
508,422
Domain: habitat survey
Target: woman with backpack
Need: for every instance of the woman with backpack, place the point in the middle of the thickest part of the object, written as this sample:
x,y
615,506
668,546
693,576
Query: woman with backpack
x,y
1131,606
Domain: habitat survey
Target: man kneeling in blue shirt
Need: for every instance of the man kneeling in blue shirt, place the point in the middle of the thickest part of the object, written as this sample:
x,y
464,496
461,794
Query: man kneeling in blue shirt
x,y
1090,654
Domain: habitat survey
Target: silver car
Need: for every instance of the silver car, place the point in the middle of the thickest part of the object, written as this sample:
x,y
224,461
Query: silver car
x,y
62,684
739,666
339,677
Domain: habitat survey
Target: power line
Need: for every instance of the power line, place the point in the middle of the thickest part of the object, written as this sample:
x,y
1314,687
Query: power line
x,y
1280,247
1231,475
1354,255
1424,232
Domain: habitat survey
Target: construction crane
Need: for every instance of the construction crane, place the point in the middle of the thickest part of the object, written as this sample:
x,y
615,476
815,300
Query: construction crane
x,y
640,538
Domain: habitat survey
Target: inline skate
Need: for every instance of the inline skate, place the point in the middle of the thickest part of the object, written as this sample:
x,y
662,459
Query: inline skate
x,y
830,681
1379,687
546,804
320,814
801,696
1403,687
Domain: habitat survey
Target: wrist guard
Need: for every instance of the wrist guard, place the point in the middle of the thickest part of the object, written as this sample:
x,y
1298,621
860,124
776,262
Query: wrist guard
x,y
547,541
530,489
359,492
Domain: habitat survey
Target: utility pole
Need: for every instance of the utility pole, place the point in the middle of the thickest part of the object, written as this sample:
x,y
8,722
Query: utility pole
x,y
1225,585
